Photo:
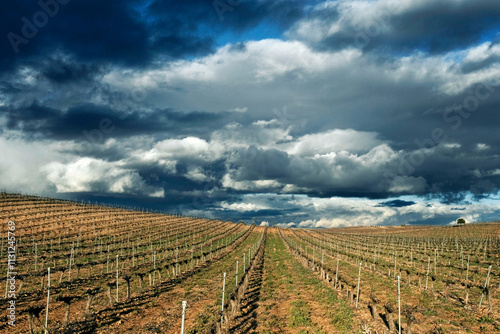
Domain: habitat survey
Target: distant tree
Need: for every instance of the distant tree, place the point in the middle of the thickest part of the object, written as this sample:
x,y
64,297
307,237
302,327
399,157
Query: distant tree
x,y
460,221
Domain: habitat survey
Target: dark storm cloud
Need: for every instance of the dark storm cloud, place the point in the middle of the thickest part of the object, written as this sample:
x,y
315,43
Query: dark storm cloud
x,y
129,33
431,26
79,122
259,214
397,203
465,158
452,171
62,72
259,164
91,31
238,15
447,172
315,177
408,115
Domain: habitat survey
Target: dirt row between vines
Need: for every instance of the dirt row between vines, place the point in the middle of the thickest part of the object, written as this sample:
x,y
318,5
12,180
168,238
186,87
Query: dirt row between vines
x,y
162,313
285,297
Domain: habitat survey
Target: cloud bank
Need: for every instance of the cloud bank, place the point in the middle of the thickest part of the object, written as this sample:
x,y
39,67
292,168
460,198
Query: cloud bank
x,y
329,113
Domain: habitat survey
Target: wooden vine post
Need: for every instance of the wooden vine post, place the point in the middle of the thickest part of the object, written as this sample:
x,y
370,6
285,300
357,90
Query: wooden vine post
x,y
154,267
467,282
411,256
183,315
435,261
133,256
336,272
428,267
48,300
69,264
322,258
117,278
236,272
223,292
313,257
359,278
399,303
395,256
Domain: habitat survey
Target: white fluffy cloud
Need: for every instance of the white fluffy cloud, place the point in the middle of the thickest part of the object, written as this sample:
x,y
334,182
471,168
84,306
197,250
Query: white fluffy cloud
x,y
331,141
189,147
264,134
93,175
20,164
242,207
249,185
227,79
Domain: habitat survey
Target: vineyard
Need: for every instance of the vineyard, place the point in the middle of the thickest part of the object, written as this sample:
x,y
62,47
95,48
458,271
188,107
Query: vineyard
x,y
73,267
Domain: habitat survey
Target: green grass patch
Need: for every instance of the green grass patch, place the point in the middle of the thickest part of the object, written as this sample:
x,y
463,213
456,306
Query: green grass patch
x,y
300,314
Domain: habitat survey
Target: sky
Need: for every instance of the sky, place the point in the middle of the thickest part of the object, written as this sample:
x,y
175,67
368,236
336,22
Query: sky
x,y
274,112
